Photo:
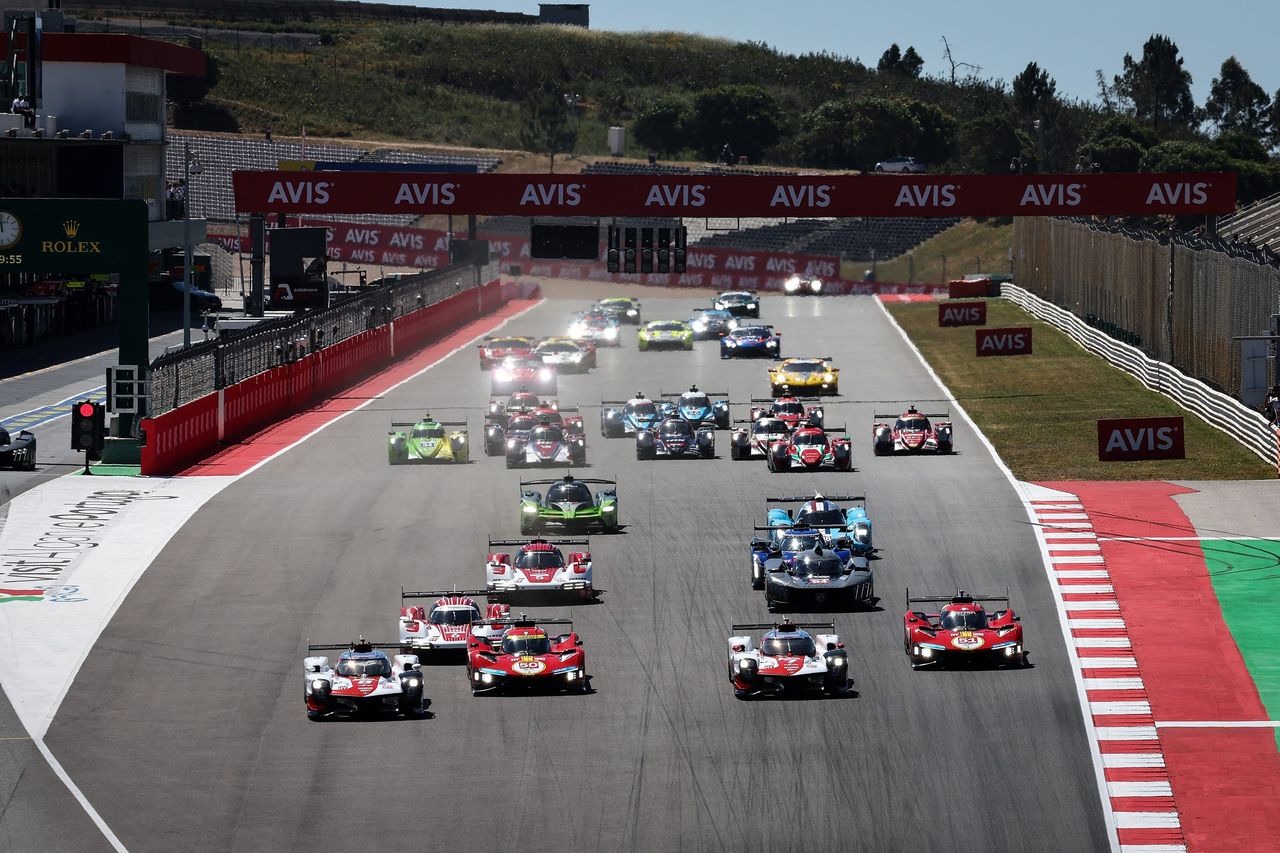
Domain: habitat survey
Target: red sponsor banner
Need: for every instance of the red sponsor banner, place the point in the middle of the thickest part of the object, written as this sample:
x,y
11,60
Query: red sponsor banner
x,y
733,195
961,288
962,313
1129,439
1015,340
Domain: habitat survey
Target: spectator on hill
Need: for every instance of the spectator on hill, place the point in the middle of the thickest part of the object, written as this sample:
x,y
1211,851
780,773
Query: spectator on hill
x,y
726,155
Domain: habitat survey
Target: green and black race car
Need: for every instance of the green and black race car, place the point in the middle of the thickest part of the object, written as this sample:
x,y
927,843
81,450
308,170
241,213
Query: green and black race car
x,y
666,334
568,503
622,308
428,440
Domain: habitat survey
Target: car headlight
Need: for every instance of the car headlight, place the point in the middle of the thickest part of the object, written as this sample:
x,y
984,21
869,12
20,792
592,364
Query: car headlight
x,y
792,284
816,285
751,305
462,439
699,326
730,342
544,375
502,375
828,377
744,663
611,332
733,324
771,343
529,509
317,684
609,508
838,662
631,312
575,357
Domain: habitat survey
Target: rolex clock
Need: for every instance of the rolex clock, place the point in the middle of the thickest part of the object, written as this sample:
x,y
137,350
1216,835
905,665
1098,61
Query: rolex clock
x,y
10,229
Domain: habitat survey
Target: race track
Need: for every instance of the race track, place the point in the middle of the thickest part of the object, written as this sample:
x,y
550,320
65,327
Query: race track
x,y
186,727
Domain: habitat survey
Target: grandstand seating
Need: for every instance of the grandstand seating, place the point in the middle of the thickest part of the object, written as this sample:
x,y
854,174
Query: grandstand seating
x,y
211,196
855,239
1259,223
621,167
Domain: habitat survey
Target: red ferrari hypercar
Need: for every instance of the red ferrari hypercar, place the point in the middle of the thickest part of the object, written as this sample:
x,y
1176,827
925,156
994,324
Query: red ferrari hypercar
x,y
963,631
494,349
528,656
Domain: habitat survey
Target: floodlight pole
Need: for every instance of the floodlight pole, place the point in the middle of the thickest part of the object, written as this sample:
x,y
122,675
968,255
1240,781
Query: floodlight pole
x,y
186,242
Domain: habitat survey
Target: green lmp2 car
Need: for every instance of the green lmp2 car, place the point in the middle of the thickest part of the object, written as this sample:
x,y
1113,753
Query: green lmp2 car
x,y
428,440
666,334
569,504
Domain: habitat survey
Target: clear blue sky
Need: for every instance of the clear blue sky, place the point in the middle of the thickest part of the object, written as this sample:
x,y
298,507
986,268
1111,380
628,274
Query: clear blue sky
x,y
1070,40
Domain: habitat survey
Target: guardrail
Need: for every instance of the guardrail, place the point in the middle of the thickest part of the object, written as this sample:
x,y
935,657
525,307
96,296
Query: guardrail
x,y
1219,410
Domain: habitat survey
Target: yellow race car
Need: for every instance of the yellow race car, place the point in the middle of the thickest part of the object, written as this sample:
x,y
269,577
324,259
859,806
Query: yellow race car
x,y
805,377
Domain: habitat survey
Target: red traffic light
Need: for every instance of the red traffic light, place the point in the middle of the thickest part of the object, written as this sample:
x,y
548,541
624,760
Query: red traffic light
x,y
87,410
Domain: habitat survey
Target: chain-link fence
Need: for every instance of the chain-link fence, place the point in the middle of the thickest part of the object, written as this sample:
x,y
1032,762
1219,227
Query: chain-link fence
x,y
186,375
1179,298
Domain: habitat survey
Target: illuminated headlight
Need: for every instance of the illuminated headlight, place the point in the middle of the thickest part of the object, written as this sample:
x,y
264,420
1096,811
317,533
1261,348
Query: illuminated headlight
x,y
924,652
412,682
733,324
730,342
862,533
773,344
544,375
486,678
828,377
462,439
631,312
699,326
816,285
839,662
530,509
719,306
609,508
511,443
575,357
502,375
317,685
792,284
751,305
744,663
575,329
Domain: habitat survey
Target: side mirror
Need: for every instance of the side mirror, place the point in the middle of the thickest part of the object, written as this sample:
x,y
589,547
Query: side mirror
x,y
577,642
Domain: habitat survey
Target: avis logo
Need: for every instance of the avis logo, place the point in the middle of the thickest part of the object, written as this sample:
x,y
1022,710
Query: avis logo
x,y
683,195
930,195
300,192
1144,438
1064,195
1015,341
963,314
1178,193
1128,439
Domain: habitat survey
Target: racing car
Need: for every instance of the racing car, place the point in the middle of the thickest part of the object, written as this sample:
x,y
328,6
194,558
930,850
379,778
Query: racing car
x,y
540,567
526,371
678,438
752,341
363,681
752,439
520,401
788,658
18,453
546,444
566,355
912,432
826,515
447,624
788,409
816,376
708,323
595,327
619,418
527,656
811,448
621,308
427,440
739,303
494,349
665,334
698,408
570,504
963,632
819,577
499,438
782,546
797,285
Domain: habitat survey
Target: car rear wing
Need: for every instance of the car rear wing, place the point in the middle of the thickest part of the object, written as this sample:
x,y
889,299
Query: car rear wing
x,y
524,621
830,627
524,483
662,393
613,402
775,499
441,593
896,415
531,540
961,597
565,409
346,647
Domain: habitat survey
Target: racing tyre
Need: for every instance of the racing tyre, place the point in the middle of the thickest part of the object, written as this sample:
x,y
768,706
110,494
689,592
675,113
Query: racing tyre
x,y
528,528
315,716
757,582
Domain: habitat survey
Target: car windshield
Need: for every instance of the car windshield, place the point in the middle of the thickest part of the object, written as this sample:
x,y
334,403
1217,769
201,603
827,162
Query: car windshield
x,y
769,426
913,423
804,367
521,423
963,620
619,303
425,431
557,348
695,400
788,407
676,427
788,646
548,432
454,616
811,565
364,667
537,644
735,297
810,438
801,542
522,364
575,492
508,343
822,518
539,560
642,408
751,332
666,327
522,401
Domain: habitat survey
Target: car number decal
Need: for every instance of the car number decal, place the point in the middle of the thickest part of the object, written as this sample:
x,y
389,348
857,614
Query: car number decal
x,y
528,666
967,641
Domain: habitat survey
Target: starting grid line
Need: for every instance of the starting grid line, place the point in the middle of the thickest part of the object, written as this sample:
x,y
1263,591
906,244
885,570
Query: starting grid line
x,y
47,414
1133,768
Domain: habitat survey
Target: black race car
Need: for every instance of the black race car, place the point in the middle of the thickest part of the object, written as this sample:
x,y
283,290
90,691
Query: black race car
x,y
18,453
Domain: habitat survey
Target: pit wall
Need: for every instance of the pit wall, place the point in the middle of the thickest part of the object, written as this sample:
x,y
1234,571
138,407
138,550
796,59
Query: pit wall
x,y
186,435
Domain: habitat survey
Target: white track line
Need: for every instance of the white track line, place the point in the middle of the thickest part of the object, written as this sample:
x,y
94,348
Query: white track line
x,y
1091,733
1219,724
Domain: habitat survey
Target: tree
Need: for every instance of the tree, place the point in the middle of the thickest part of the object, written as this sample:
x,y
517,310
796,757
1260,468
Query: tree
x,y
1178,155
1113,154
550,126
986,145
912,63
1125,127
935,131
1032,90
847,134
890,59
744,117
662,125
894,61
1273,121
1158,86
1236,102
1239,145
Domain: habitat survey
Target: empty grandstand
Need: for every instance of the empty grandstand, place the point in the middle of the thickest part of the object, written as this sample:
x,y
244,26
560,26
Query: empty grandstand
x,y
211,196
1258,224
854,239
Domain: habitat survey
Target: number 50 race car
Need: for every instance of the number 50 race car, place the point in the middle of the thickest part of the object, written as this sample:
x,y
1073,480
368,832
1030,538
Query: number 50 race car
x,y
527,656
788,658
363,681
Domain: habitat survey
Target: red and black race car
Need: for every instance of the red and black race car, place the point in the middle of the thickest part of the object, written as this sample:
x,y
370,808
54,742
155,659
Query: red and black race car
x,y
963,632
526,656
911,432
788,408
493,349
811,448
523,371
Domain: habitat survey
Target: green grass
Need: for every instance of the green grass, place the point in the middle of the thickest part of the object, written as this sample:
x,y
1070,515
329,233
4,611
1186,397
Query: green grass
x,y
969,246
1040,411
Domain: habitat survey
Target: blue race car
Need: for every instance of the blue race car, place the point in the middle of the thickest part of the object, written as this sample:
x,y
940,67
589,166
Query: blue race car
x,y
825,515
620,418
698,408
779,550
708,323
752,341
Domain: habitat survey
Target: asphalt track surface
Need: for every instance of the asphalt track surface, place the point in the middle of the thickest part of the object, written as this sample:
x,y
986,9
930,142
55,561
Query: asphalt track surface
x,y
186,727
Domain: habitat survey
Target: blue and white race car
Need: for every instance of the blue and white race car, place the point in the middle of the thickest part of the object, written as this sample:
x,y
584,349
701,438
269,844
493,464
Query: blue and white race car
x,y
824,514
752,341
620,418
698,407
798,565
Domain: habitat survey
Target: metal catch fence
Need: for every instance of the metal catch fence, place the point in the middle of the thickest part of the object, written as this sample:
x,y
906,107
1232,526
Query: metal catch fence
x,y
180,377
